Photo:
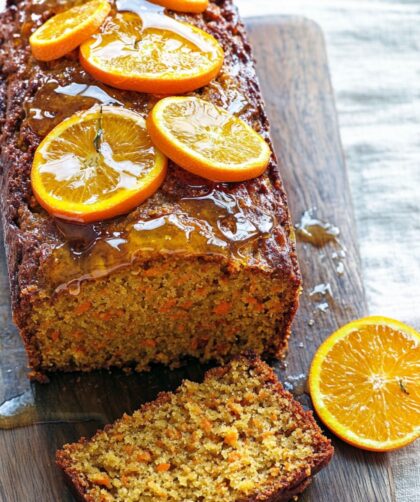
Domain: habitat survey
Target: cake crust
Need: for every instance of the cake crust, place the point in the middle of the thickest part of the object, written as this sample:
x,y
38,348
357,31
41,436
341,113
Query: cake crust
x,y
48,260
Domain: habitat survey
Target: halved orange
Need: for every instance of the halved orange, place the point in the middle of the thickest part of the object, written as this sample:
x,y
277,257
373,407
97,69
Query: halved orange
x,y
65,31
365,383
193,6
96,165
207,140
152,53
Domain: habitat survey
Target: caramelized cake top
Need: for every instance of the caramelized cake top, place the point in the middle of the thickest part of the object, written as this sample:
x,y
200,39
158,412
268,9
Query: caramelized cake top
x,y
239,224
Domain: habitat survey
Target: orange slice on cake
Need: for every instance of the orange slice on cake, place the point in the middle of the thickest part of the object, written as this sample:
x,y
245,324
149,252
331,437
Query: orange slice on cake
x,y
207,140
151,53
96,165
365,383
193,6
65,31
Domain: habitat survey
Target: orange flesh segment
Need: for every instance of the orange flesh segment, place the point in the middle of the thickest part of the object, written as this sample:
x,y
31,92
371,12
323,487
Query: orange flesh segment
x,y
153,53
67,30
97,165
193,6
365,383
206,140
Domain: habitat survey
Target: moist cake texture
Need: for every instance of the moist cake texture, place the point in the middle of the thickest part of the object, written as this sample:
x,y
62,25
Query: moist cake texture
x,y
200,269
238,436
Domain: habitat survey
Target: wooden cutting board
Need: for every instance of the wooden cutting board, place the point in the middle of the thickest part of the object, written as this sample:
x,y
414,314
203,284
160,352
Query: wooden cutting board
x,y
293,71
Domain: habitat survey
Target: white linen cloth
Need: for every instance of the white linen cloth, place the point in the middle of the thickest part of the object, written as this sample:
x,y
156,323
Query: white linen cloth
x,y
374,55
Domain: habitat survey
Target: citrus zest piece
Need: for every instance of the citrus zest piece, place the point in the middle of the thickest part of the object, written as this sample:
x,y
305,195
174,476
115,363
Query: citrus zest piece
x,y
151,53
365,383
65,31
207,140
192,6
96,165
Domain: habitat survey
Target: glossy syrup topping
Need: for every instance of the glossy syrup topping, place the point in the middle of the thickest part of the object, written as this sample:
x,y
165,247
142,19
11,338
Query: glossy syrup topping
x,y
54,102
145,50
149,42
188,215
153,18
212,224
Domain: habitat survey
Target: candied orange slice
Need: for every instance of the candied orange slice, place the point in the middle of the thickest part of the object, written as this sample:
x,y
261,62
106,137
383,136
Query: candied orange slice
x,y
207,140
96,165
152,53
365,383
65,31
193,6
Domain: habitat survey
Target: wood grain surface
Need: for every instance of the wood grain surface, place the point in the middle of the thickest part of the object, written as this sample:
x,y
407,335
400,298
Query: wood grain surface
x,y
292,66
293,70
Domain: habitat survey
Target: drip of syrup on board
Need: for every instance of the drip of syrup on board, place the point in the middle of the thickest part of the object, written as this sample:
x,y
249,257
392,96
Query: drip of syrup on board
x,y
338,258
321,307
297,384
315,231
21,411
322,289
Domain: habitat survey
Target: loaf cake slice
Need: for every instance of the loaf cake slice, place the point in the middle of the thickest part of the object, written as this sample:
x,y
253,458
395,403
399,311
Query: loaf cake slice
x,y
200,269
238,436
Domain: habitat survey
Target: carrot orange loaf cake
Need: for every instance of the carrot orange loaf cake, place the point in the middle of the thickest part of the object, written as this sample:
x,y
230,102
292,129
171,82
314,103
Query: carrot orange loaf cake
x,y
239,436
200,268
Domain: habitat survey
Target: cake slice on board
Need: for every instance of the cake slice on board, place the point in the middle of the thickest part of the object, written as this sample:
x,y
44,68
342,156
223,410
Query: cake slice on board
x,y
237,436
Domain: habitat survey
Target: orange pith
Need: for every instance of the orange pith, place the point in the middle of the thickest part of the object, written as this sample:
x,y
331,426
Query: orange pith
x,y
67,30
96,165
152,53
206,140
365,383
193,6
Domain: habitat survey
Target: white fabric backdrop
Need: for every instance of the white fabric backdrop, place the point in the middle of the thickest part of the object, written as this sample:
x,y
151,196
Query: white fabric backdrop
x,y
373,49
